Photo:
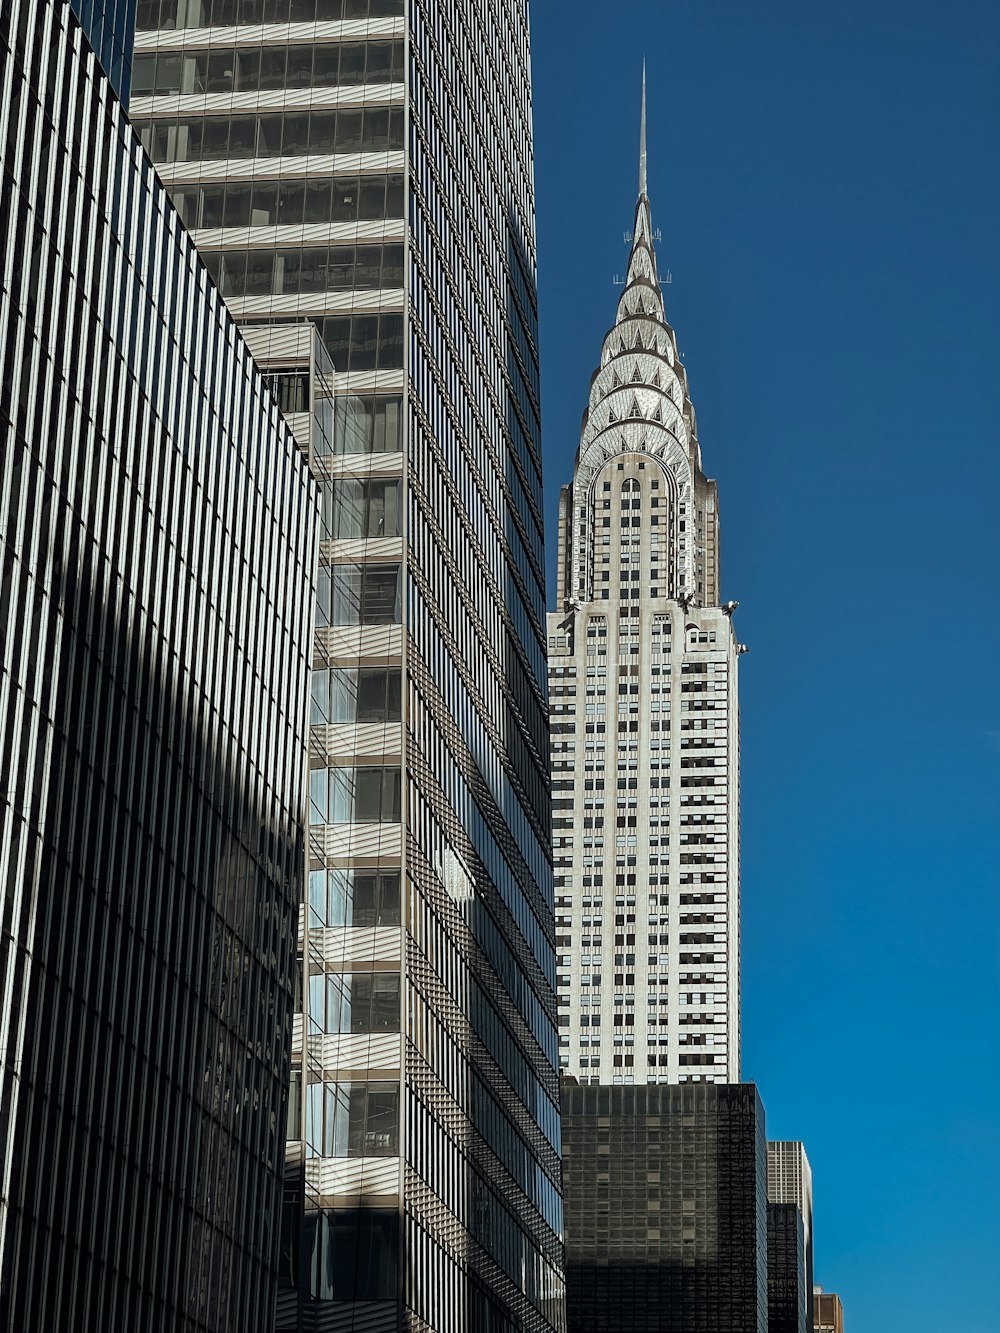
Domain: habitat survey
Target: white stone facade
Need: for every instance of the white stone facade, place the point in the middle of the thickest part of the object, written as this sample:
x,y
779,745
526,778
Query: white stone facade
x,y
645,724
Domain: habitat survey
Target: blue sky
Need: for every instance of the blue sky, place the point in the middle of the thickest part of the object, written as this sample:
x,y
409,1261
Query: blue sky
x,y
826,181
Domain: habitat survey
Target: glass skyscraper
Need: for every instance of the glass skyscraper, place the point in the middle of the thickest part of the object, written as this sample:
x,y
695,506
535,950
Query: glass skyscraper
x,y
109,26
157,537
666,1209
366,166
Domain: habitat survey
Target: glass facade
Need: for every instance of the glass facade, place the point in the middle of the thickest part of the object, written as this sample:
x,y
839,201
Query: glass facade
x,y
109,26
366,166
665,1191
788,1297
158,529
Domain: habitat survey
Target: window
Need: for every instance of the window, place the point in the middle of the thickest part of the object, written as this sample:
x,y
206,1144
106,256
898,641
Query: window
x,y
367,694
368,425
271,134
361,507
291,392
360,898
289,202
364,795
353,1119
349,594
354,1002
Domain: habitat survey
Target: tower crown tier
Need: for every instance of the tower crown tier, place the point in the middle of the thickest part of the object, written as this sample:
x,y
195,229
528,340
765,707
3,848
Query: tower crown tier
x,y
639,404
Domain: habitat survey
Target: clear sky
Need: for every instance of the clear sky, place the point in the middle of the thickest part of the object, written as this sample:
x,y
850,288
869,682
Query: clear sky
x,y
825,177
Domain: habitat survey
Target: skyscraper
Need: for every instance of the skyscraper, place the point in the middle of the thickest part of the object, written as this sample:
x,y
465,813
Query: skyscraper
x,y
828,1313
645,728
109,27
666,1209
425,1173
788,1297
157,536
789,1180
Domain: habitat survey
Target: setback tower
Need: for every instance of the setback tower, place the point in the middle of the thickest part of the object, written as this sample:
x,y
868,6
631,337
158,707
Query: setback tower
x,y
645,721
366,166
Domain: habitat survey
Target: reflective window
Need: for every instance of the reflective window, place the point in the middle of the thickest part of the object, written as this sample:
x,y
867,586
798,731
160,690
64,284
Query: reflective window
x,y
291,391
298,271
353,1119
272,134
342,1002
361,898
361,507
368,425
364,694
237,69
366,795
350,594
173,14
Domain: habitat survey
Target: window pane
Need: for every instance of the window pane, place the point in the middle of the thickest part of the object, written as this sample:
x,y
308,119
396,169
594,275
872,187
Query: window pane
x,y
381,1132
379,63
394,197
324,596
323,131
317,898
383,509
388,426
390,342
260,272
317,201
392,266
312,270
368,266
352,63
364,342
214,139
238,205
380,604
343,695
247,70
291,200
143,74
219,71
345,200
295,136
371,202
320,704
368,796
264,212
349,509
349,127
341,267
299,72
269,132
375,703
346,609
392,786
317,795
243,136
272,67
326,63
377,130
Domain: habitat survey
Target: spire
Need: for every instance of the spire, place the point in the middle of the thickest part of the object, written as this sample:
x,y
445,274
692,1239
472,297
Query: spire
x,y
642,134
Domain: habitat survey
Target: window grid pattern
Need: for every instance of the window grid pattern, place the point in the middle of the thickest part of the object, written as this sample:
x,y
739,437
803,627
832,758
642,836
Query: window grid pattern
x,y
479,953
158,544
643,683
666,1209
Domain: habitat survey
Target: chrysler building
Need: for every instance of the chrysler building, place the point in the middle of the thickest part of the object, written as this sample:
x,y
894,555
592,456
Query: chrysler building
x,y
645,721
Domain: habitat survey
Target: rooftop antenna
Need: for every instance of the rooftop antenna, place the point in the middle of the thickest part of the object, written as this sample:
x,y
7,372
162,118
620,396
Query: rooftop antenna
x,y
642,134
